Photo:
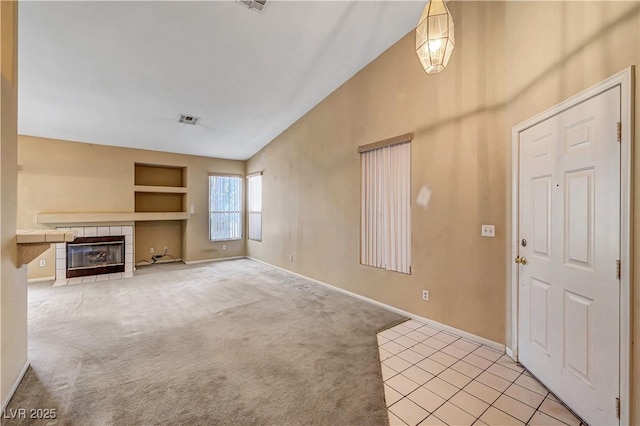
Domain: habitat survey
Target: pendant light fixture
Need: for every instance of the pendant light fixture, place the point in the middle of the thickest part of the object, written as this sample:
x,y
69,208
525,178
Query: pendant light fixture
x,y
434,37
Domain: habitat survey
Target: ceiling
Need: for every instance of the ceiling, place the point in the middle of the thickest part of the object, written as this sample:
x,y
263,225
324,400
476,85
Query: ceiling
x,y
119,73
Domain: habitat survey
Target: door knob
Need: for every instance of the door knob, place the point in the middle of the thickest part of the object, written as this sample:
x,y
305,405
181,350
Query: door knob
x,y
517,260
521,260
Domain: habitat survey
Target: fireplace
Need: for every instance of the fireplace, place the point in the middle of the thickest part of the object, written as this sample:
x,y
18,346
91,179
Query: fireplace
x,y
92,230
95,256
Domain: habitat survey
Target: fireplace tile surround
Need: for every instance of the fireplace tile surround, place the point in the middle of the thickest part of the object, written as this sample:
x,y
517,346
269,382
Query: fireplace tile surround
x,y
94,231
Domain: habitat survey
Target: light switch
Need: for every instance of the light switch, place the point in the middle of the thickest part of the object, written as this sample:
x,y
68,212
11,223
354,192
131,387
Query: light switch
x,y
489,231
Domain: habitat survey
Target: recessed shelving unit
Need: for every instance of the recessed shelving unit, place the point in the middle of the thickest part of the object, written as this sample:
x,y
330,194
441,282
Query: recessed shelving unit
x,y
160,191
159,175
160,207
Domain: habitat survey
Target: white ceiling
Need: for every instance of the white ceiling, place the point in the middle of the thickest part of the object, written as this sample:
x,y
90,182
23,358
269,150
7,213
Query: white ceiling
x,y
119,73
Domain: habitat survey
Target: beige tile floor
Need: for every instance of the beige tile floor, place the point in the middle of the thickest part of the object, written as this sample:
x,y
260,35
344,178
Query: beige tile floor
x,y
432,377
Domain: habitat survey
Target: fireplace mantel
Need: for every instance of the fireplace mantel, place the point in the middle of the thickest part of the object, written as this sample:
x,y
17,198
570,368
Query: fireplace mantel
x,y
107,217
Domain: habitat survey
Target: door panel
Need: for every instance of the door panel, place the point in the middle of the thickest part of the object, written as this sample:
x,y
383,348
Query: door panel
x,y
578,209
569,212
540,314
541,199
577,335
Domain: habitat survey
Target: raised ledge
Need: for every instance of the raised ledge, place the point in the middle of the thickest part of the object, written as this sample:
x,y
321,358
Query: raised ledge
x,y
83,218
33,242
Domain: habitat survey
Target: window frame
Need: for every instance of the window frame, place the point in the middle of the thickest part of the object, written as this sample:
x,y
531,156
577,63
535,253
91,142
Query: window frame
x,y
240,201
249,205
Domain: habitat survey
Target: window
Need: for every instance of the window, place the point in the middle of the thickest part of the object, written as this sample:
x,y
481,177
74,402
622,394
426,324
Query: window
x,y
225,208
386,207
254,206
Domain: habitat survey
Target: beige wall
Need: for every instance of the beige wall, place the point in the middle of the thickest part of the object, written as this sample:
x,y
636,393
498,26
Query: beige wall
x,y
512,61
13,285
158,235
62,176
312,184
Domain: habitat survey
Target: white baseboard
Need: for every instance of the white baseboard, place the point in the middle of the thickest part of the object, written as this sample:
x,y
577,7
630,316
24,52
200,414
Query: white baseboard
x,y
510,354
469,336
23,371
194,262
39,280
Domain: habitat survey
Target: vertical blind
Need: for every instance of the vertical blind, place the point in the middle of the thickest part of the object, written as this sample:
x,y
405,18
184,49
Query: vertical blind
x,y
386,208
225,208
254,207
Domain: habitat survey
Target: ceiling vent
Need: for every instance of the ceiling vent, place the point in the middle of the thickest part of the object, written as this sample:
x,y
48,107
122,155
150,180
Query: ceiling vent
x,y
257,5
188,119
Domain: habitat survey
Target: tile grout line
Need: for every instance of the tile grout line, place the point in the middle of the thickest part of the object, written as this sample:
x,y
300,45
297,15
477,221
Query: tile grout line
x,y
440,350
405,423
431,413
538,409
503,393
479,346
447,367
549,415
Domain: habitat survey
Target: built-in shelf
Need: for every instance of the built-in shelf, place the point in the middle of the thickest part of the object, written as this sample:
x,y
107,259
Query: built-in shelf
x,y
160,189
148,216
82,218
160,175
32,243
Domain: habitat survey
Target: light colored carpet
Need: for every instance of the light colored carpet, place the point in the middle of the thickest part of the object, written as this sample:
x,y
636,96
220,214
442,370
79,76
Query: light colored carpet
x,y
230,343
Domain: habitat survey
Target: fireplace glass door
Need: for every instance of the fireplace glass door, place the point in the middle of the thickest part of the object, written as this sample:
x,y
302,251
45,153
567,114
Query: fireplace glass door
x,y
86,256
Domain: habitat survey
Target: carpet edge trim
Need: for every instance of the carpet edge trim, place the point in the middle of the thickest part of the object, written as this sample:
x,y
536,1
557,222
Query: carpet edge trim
x,y
469,336
14,388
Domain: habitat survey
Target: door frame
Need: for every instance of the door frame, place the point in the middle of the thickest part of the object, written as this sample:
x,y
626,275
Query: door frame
x,y
625,80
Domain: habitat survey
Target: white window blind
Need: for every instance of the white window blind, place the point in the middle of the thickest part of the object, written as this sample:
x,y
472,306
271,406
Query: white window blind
x,y
254,207
225,208
386,208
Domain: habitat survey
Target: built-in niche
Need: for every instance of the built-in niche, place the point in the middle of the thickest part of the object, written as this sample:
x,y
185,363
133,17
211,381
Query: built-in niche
x,y
161,203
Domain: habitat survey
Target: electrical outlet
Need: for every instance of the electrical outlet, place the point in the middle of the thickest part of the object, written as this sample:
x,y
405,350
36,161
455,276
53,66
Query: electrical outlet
x,y
224,247
425,294
290,258
489,231
151,250
43,262
166,248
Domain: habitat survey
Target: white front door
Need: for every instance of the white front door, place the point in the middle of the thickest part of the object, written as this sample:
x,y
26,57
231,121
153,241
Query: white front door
x,y
569,234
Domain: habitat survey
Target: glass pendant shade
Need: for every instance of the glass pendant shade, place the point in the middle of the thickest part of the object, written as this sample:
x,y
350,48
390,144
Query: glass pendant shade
x,y
434,37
